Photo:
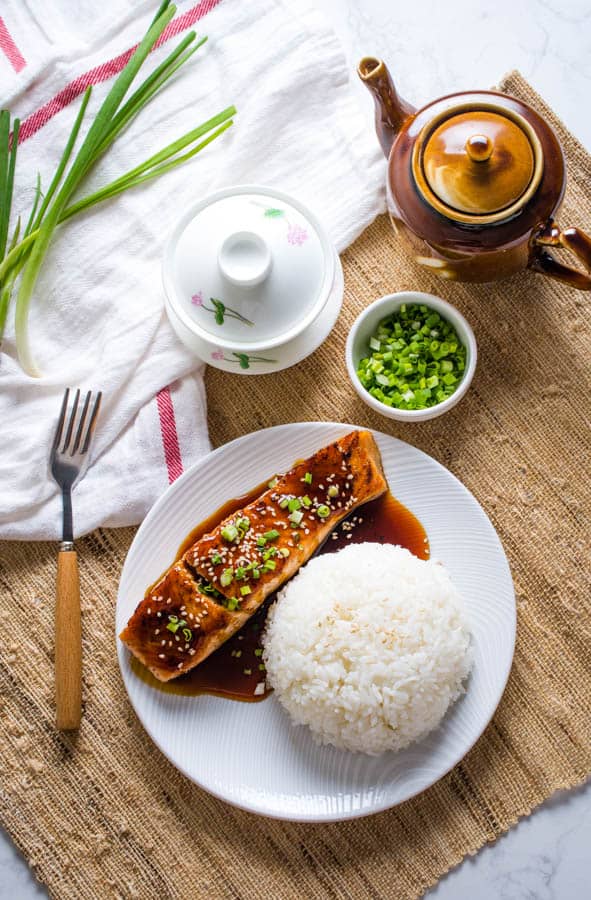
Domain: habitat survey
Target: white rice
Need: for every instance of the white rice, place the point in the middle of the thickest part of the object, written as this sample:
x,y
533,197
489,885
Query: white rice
x,y
368,647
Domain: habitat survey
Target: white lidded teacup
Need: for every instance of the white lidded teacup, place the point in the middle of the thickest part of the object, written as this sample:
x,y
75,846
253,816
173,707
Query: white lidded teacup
x,y
252,282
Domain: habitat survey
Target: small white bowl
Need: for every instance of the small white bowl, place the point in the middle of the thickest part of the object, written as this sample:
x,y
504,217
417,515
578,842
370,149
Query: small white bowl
x,y
366,324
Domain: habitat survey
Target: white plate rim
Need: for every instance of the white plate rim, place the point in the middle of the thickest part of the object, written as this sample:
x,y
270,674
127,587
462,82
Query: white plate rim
x,y
259,808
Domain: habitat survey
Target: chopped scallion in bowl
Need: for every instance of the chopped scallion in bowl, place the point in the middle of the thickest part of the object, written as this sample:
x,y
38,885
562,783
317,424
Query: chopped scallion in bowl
x,y
411,356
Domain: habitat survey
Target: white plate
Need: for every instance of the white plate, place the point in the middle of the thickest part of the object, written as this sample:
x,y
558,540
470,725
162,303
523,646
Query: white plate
x,y
250,754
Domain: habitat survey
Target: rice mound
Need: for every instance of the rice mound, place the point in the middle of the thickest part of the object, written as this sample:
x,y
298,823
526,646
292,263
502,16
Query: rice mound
x,y
368,647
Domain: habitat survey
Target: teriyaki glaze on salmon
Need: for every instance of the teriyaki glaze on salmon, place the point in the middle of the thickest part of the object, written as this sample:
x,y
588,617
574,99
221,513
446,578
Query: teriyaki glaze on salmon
x,y
223,578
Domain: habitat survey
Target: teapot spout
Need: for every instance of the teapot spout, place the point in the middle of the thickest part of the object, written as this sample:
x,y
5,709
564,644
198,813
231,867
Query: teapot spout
x,y
391,111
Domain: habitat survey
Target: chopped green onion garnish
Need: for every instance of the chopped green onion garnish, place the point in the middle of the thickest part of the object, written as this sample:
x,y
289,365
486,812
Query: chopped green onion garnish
x,y
229,532
308,478
232,604
323,511
283,503
306,502
247,671
243,524
240,573
415,359
208,588
261,541
216,559
269,566
296,516
333,491
256,573
294,504
284,552
272,535
262,667
226,577
175,623
258,651
244,590
273,482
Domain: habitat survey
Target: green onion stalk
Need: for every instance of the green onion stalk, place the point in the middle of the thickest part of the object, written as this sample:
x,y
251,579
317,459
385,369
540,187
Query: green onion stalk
x,y
22,254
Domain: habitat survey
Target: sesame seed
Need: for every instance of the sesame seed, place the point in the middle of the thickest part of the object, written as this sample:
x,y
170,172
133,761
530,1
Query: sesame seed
x,y
161,656
149,611
157,631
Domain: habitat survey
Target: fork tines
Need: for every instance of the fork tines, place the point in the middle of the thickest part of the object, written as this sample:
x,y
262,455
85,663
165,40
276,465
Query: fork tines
x,y
80,425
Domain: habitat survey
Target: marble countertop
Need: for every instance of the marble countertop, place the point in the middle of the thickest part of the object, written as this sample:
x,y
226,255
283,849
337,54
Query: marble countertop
x,y
435,48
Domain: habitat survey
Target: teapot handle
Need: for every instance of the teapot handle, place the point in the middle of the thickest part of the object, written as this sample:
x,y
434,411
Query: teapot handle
x,y
573,239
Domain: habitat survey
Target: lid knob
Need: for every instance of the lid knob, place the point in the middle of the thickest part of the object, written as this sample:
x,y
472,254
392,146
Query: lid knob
x,y
244,258
479,147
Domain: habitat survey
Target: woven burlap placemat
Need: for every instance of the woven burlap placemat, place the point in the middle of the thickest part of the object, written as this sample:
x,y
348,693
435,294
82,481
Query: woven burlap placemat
x,y
103,814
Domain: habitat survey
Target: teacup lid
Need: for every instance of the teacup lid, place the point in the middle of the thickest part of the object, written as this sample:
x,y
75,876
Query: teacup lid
x,y
248,266
478,165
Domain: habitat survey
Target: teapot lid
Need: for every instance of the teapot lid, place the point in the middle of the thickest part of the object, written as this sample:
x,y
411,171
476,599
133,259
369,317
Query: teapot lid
x,y
477,165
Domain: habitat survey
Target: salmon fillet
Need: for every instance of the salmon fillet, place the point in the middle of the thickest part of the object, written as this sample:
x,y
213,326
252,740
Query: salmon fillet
x,y
222,579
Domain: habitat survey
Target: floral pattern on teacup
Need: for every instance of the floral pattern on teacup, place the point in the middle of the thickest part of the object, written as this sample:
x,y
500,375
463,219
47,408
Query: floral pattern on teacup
x,y
244,360
219,309
296,234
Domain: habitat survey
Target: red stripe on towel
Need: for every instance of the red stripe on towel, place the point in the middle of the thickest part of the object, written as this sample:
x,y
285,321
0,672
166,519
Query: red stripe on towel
x,y
105,71
170,438
9,48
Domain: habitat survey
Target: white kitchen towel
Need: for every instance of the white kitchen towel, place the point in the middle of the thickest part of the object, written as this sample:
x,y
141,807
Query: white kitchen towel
x,y
97,318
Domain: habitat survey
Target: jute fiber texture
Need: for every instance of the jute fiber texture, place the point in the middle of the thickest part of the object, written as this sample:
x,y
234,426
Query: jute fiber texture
x,y
102,814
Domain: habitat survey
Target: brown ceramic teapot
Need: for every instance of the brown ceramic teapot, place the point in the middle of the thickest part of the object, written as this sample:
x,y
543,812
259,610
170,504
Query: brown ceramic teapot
x,y
475,181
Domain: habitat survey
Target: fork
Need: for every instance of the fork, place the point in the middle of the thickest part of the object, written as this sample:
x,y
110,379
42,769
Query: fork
x,y
69,460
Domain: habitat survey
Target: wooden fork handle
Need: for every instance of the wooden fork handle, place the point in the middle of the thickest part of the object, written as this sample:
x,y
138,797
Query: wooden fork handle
x,y
68,642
